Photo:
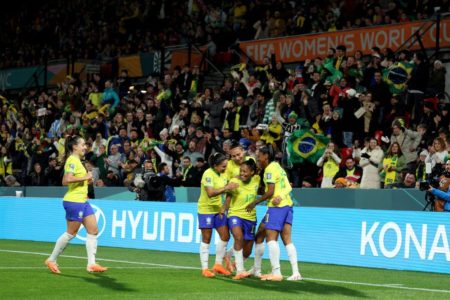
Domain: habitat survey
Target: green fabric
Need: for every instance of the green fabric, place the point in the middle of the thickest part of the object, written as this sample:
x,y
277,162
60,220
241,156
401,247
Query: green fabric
x,y
306,145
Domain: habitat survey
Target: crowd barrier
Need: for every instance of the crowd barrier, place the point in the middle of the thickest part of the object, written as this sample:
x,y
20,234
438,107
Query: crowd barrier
x,y
402,240
401,199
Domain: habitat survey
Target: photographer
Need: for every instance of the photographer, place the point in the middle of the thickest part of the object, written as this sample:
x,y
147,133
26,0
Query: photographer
x,y
146,184
442,203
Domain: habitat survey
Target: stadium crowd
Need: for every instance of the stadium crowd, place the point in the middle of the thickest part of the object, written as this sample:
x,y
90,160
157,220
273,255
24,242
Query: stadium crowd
x,y
105,29
377,134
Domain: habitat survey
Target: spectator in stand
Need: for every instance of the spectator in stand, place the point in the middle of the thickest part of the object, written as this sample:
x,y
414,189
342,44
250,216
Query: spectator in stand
x,y
381,96
417,85
112,179
437,78
53,172
186,172
110,99
409,182
351,172
11,181
191,152
407,139
393,164
437,153
37,177
5,163
349,104
308,182
114,160
420,170
371,157
237,115
272,135
99,140
329,162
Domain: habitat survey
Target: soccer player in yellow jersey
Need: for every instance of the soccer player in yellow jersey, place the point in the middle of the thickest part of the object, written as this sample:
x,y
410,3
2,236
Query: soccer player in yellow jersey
x,y
213,185
78,210
237,155
241,222
279,215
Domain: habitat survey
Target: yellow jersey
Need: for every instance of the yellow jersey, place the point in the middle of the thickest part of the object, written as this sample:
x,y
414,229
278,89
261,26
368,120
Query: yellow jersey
x,y
212,179
275,174
233,169
243,196
77,191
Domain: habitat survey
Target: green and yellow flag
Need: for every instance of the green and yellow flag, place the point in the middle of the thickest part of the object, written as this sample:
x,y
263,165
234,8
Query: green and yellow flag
x,y
396,76
304,145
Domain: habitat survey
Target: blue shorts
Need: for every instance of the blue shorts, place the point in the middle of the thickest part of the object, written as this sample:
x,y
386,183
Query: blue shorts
x,y
276,217
248,227
209,221
76,211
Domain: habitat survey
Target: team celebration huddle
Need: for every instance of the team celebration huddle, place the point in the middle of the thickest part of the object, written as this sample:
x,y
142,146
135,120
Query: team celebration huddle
x,y
228,199
237,180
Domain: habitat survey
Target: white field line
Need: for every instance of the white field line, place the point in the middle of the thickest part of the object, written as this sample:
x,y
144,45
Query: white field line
x,y
389,286
105,259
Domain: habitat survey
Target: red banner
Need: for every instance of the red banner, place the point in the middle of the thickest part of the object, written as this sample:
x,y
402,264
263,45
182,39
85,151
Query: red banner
x,y
298,48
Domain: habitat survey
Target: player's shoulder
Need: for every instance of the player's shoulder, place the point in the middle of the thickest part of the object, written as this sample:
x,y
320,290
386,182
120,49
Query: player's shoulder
x,y
235,180
272,168
209,174
256,179
72,161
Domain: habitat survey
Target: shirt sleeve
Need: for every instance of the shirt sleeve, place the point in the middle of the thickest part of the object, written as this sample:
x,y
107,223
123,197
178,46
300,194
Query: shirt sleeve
x,y
69,167
208,180
269,175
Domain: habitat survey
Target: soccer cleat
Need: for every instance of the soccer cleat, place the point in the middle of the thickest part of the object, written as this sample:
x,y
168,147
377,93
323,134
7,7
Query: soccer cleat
x,y
52,266
207,273
96,269
218,268
295,277
228,264
242,275
254,272
271,277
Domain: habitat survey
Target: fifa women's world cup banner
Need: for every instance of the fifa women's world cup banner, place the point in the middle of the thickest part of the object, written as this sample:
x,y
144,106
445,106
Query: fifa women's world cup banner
x,y
399,240
302,47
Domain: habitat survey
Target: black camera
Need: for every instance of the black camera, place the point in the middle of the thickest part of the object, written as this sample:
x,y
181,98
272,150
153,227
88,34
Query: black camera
x,y
425,185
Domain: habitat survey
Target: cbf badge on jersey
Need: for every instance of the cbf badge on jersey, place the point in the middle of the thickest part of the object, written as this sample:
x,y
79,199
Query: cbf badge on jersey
x,y
269,176
72,167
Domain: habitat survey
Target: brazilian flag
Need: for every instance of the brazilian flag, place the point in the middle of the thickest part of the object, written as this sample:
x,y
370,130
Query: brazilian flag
x,y
396,76
304,145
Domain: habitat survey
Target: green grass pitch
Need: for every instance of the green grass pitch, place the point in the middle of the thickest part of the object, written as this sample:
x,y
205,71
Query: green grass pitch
x,y
143,274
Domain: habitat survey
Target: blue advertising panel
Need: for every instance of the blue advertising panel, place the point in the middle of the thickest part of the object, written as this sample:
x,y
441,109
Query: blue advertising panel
x,y
383,239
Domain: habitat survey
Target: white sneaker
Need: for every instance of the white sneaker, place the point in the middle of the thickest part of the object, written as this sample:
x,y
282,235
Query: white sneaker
x,y
295,277
254,272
